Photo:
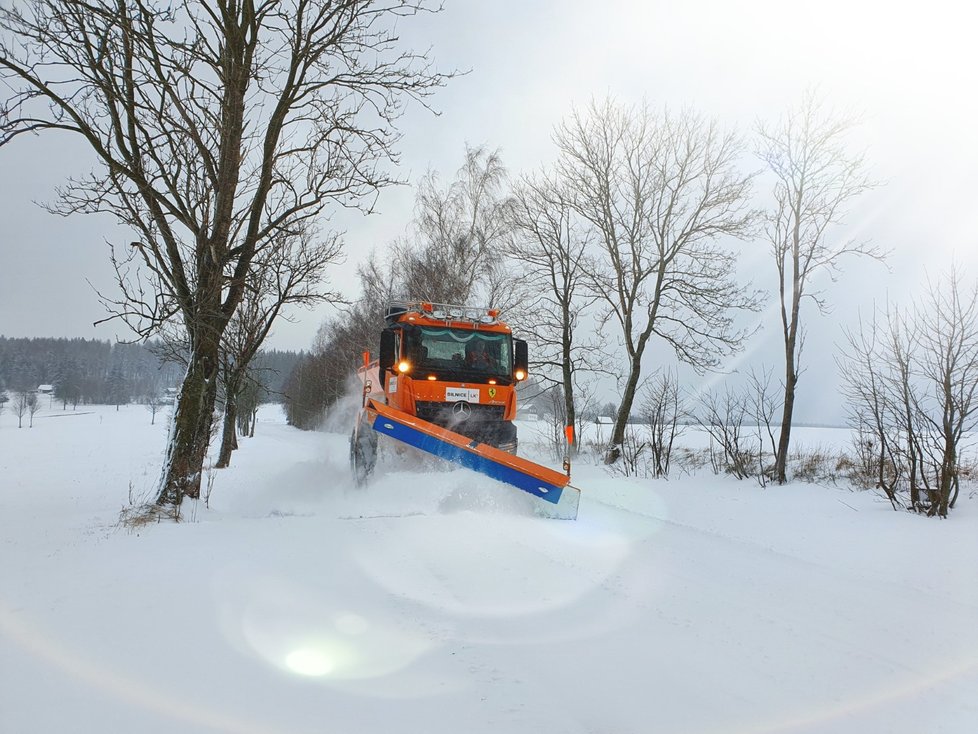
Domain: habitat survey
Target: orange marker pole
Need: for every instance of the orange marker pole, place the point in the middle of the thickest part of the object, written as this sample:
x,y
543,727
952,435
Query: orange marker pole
x,y
569,434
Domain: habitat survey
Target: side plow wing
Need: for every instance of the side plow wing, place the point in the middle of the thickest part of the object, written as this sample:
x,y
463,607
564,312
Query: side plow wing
x,y
546,484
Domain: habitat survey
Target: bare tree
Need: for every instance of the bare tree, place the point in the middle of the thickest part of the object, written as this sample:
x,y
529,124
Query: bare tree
x,y
868,365
33,405
358,326
154,402
916,393
903,337
550,244
660,190
722,415
948,362
586,386
216,127
452,254
249,400
816,179
663,407
763,405
290,274
21,403
554,404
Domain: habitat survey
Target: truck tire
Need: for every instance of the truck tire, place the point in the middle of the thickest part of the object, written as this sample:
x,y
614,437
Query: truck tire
x,y
506,437
363,453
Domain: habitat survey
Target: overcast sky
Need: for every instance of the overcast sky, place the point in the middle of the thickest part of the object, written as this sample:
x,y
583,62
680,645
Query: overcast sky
x,y
911,70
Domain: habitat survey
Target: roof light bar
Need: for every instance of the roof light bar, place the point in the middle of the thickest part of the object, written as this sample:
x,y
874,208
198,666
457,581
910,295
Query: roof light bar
x,y
444,311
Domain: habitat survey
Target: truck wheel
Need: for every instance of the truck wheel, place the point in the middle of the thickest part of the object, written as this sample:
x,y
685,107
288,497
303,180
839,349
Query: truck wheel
x,y
363,453
506,437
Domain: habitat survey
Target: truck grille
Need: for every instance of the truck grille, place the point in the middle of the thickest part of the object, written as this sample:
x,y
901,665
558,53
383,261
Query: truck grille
x,y
441,413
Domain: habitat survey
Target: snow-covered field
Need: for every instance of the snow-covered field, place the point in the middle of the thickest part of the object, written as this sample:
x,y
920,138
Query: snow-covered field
x,y
436,601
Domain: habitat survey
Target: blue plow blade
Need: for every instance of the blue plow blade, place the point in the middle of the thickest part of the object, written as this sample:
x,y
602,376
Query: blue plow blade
x,y
468,458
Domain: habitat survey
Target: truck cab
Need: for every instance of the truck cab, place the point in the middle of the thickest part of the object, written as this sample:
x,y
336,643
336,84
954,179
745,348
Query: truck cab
x,y
454,366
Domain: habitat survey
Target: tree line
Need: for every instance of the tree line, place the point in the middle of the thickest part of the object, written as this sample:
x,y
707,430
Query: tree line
x,y
85,371
91,371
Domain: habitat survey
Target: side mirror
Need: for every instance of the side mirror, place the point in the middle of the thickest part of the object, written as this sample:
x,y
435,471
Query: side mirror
x,y
521,359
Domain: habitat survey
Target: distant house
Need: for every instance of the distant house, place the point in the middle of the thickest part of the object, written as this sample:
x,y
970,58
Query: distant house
x,y
604,420
45,389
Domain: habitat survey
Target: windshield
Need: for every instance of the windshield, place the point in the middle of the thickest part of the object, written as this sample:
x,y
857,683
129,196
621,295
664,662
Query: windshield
x,y
443,349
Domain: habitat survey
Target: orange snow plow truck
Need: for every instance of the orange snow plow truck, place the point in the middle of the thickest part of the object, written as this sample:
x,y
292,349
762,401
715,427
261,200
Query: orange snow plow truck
x,y
445,382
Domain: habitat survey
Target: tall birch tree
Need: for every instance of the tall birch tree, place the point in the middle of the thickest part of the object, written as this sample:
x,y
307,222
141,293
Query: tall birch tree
x,y
816,179
663,192
550,245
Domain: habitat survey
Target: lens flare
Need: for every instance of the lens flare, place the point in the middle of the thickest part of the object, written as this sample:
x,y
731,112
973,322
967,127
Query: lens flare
x,y
309,662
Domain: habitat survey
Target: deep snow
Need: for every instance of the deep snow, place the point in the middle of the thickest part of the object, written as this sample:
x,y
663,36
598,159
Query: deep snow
x,y
436,601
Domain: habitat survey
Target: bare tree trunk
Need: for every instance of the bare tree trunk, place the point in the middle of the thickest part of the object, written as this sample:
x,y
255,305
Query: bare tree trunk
x,y
949,471
624,412
233,377
229,435
914,485
567,370
191,428
913,448
787,413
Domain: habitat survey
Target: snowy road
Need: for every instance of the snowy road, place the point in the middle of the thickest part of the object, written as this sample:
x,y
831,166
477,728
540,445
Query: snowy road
x,y
437,602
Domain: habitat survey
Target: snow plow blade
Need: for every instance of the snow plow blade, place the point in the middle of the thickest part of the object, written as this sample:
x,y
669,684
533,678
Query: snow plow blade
x,y
547,484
